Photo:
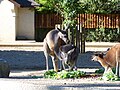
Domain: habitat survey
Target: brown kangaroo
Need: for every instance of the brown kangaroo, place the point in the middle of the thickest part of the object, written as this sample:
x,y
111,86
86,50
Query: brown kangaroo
x,y
53,40
111,59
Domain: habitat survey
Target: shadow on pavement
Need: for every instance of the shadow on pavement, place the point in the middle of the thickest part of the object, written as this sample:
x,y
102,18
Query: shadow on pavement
x,y
36,60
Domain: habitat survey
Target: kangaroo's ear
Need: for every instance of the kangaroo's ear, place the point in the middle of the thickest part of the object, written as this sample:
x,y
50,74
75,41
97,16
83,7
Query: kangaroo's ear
x,y
96,54
62,31
101,55
59,29
72,50
67,27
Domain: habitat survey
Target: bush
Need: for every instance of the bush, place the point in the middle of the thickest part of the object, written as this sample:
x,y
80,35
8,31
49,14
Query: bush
x,y
103,35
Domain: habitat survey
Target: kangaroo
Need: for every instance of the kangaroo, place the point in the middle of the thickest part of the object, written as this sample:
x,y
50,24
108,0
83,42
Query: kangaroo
x,y
68,55
53,40
111,59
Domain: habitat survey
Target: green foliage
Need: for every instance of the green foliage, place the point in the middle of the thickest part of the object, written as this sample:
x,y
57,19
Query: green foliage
x,y
99,6
45,6
64,74
82,6
103,35
50,74
68,9
110,76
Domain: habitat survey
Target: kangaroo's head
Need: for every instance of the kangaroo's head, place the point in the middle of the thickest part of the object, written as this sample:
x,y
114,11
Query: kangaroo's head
x,y
96,57
63,35
72,58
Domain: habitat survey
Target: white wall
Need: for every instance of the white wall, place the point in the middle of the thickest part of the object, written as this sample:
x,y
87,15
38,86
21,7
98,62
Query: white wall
x,y
7,21
25,23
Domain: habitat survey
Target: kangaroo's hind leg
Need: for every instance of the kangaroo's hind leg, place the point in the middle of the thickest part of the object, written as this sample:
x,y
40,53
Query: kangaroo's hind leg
x,y
118,62
46,53
55,63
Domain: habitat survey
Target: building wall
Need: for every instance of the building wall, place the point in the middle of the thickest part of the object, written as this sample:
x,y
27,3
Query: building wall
x,y
25,21
7,21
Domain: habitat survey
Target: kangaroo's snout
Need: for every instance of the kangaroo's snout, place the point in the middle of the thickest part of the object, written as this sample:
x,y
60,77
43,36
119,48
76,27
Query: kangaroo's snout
x,y
94,58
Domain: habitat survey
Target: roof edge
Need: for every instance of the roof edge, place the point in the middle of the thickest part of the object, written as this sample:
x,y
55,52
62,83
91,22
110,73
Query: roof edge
x,y
33,4
15,3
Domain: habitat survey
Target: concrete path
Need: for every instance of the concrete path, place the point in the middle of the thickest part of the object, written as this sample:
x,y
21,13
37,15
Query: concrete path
x,y
40,84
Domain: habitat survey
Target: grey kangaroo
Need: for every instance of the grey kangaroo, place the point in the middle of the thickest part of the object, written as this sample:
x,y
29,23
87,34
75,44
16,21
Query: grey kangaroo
x,y
68,55
53,40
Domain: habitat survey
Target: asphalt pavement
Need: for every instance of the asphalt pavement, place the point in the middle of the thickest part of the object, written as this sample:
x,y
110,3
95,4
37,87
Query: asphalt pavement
x,y
26,65
36,59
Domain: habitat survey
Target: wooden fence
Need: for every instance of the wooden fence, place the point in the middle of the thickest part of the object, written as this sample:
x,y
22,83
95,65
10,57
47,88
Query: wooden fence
x,y
84,21
87,20
98,20
47,20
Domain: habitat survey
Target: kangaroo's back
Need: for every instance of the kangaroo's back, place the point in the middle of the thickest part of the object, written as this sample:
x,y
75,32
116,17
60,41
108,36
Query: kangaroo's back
x,y
111,55
51,39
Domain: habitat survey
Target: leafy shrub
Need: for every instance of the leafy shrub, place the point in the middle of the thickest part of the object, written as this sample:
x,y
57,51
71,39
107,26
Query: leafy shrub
x,y
103,35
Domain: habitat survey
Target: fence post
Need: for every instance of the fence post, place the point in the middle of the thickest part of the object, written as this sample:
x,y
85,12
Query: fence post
x,y
82,37
78,37
118,31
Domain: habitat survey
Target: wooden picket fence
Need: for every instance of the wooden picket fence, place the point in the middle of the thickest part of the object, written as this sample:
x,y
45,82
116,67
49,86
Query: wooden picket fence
x,y
87,20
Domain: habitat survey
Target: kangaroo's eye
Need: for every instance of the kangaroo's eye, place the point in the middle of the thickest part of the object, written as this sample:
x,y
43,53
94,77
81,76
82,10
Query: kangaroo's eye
x,y
65,36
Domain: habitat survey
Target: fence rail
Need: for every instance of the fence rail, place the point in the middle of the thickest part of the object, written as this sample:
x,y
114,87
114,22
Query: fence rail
x,y
88,20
